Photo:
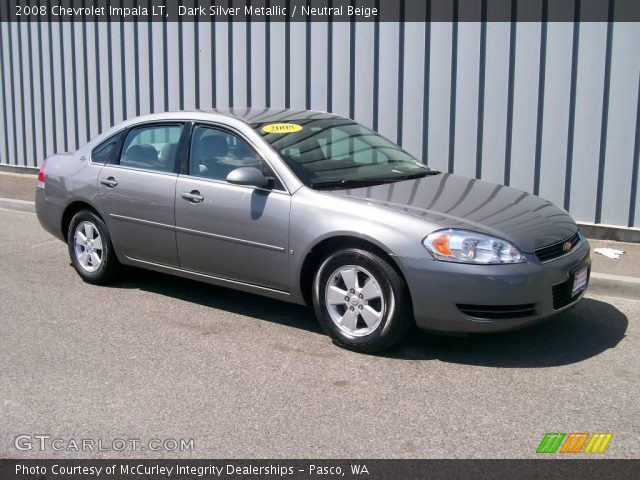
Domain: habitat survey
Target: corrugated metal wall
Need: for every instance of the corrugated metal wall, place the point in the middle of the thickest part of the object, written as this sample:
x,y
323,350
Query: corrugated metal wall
x,y
548,108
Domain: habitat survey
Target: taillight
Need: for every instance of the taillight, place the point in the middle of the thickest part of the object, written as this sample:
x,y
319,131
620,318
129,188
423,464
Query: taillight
x,y
41,175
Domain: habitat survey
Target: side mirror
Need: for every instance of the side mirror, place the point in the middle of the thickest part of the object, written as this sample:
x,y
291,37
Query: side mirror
x,y
248,176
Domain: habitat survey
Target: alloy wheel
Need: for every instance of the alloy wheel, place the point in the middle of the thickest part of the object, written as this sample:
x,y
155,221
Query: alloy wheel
x,y
354,300
87,245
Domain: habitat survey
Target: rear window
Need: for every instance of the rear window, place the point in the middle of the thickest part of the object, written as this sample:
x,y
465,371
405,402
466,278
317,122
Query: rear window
x,y
102,152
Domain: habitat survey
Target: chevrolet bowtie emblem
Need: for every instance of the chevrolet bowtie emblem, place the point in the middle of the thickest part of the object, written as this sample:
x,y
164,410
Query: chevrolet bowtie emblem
x,y
566,246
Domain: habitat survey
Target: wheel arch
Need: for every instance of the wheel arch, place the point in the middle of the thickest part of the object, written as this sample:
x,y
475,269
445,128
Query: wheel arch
x,y
326,246
69,212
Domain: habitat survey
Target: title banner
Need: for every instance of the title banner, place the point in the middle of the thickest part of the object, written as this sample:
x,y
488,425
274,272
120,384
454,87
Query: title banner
x,y
321,10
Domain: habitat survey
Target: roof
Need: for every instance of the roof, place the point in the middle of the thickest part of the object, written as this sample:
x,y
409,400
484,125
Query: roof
x,y
253,115
248,115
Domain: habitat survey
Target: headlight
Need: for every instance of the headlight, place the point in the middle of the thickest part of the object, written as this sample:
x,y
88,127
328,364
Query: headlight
x,y
470,247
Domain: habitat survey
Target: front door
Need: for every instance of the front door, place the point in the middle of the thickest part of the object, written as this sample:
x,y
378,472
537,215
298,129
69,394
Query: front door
x,y
235,232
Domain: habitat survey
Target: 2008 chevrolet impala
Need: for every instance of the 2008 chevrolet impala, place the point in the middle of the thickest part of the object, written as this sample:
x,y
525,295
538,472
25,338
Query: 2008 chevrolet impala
x,y
310,207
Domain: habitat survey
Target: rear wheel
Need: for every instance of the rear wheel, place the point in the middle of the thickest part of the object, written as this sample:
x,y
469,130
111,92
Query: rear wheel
x,y
90,248
361,301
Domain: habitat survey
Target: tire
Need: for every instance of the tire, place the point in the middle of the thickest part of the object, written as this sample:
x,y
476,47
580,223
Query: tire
x,y
369,317
100,264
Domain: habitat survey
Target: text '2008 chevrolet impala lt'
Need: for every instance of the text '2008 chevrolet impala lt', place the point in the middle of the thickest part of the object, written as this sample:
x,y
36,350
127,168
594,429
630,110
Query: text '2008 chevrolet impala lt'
x,y
313,208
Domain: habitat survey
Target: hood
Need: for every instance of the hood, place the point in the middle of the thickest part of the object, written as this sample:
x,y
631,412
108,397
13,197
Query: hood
x,y
452,201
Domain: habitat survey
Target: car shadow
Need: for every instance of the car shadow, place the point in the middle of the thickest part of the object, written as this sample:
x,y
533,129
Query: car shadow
x,y
589,329
592,327
221,298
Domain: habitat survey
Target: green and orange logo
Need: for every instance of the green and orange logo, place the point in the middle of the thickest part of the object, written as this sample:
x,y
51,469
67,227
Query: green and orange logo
x,y
574,443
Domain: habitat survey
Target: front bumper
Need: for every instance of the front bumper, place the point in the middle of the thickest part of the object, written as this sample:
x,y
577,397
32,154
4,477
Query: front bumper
x,y
440,291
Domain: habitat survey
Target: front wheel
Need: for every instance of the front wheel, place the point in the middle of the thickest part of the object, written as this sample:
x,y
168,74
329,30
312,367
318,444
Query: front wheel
x,y
90,248
361,301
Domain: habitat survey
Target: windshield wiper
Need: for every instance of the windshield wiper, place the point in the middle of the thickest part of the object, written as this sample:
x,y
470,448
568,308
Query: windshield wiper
x,y
424,173
407,176
367,182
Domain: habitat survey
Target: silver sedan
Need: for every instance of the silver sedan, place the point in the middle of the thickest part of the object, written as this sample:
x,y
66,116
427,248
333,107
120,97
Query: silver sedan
x,y
313,208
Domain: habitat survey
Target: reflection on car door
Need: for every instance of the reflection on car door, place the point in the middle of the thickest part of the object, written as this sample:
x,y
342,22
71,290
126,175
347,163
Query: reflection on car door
x,y
138,194
230,231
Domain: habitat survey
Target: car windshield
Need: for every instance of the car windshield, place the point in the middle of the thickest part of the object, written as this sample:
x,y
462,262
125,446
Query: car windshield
x,y
339,153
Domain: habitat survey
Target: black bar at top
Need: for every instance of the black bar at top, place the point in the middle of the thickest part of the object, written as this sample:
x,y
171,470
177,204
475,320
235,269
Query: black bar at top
x,y
338,11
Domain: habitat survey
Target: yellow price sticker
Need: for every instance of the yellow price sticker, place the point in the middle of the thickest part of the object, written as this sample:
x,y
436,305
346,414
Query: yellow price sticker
x,y
281,128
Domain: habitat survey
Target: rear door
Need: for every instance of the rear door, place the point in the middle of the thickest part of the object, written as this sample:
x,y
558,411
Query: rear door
x,y
231,231
137,193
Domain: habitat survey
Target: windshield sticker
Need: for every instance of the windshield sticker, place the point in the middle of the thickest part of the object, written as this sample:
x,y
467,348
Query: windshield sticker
x,y
281,128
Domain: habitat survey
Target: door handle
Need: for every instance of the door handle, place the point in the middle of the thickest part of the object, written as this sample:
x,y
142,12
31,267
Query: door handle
x,y
193,196
109,182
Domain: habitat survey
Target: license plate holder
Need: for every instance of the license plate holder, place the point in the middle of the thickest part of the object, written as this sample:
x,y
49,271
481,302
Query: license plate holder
x,y
579,281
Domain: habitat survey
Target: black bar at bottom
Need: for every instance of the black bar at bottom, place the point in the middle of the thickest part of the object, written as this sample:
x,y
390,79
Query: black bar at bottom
x,y
552,468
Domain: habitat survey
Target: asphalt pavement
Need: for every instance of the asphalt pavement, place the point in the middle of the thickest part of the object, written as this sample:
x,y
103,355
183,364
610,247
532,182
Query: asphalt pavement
x,y
156,357
17,186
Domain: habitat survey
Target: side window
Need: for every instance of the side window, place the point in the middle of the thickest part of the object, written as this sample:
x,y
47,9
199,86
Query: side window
x,y
151,147
215,153
102,152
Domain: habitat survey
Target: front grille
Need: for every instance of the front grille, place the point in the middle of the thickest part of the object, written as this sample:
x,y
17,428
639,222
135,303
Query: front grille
x,y
556,250
498,312
562,293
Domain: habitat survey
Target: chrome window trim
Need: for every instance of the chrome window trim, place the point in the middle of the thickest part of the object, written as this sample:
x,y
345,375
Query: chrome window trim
x,y
136,169
159,123
195,122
